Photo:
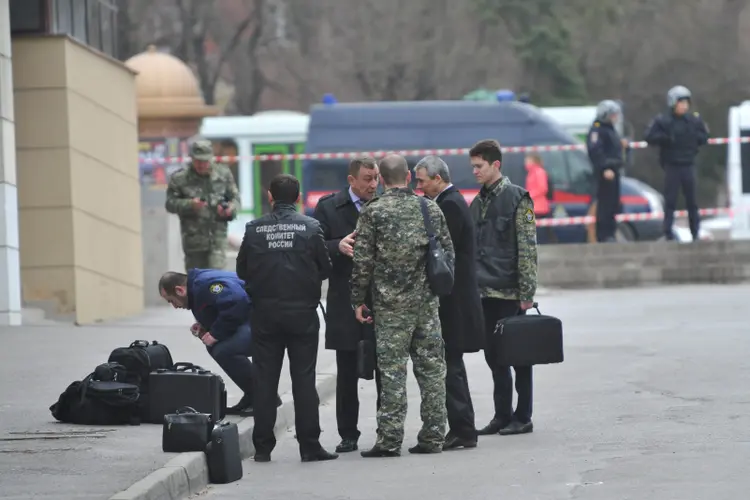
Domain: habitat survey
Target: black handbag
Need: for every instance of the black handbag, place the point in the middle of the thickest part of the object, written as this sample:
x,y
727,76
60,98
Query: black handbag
x,y
186,430
527,340
439,269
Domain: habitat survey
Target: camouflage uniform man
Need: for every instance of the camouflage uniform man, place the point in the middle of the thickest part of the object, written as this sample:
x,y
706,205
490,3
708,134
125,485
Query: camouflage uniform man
x,y
506,274
205,197
390,254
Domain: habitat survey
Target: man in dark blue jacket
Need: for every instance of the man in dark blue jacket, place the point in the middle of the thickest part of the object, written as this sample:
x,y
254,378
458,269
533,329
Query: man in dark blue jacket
x,y
221,309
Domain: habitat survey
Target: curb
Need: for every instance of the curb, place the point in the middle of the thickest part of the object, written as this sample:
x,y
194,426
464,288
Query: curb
x,y
187,473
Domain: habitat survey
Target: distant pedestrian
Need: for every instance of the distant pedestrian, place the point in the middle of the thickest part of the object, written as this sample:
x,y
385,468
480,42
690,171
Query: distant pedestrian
x,y
390,255
679,135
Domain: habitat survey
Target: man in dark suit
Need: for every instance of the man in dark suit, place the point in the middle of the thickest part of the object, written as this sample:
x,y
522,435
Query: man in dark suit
x,y
338,214
461,317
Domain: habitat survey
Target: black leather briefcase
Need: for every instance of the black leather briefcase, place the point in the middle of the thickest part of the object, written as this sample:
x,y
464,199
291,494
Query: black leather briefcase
x,y
526,340
186,430
186,384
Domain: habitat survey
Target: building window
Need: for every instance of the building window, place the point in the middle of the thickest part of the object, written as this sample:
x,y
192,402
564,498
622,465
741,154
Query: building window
x,y
28,16
79,20
63,16
106,18
94,24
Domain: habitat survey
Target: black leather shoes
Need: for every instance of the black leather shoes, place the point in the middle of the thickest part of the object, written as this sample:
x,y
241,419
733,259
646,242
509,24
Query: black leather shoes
x,y
455,442
346,446
421,449
243,407
516,427
378,452
492,428
262,457
319,456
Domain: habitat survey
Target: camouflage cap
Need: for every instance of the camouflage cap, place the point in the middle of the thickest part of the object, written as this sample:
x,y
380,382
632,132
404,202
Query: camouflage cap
x,y
202,150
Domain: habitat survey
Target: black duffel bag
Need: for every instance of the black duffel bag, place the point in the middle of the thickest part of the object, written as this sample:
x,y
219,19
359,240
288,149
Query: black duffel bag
x,y
526,340
186,430
95,402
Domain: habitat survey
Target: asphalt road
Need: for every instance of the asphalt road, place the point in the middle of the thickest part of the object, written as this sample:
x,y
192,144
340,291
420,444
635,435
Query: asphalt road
x,y
653,401
44,459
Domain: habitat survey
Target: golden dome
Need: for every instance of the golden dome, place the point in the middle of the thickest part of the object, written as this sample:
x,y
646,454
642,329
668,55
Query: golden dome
x,y
166,87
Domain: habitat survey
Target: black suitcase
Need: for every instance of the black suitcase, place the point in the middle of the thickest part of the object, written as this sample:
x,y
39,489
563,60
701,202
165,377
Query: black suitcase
x,y
527,340
185,384
223,454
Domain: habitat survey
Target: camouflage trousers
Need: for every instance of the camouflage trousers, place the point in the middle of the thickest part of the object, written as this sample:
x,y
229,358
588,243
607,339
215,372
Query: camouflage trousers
x,y
394,346
214,259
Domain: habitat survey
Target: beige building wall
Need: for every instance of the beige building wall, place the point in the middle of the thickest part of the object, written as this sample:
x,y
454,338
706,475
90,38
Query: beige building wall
x,y
78,187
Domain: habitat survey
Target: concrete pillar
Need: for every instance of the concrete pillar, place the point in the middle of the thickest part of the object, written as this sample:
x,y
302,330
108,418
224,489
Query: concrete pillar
x,y
10,273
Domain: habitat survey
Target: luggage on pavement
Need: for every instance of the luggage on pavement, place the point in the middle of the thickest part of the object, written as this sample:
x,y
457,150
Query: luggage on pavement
x,y
139,359
526,340
223,454
98,402
185,384
186,430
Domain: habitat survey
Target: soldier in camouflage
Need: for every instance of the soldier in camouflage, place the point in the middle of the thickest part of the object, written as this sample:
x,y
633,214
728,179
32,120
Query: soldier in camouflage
x,y
390,253
205,197
507,276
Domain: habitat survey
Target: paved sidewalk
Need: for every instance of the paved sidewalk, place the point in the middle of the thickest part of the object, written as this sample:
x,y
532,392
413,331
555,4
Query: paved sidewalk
x,y
651,402
41,458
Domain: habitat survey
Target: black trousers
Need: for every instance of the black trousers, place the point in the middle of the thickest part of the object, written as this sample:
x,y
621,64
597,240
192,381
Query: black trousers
x,y
458,398
347,394
678,178
607,208
495,310
297,334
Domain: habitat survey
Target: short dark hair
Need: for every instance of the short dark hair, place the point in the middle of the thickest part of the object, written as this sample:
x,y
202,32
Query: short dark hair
x,y
284,189
488,149
171,280
394,169
363,161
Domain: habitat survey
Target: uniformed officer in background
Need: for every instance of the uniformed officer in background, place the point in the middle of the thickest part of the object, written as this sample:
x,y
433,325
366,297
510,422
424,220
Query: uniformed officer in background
x,y
679,135
506,274
283,261
390,255
606,151
205,197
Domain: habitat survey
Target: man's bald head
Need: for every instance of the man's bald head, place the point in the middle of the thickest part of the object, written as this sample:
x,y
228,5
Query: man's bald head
x,y
394,170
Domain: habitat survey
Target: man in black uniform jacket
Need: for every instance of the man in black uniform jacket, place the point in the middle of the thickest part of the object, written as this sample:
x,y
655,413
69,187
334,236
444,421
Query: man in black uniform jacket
x,y
338,214
283,261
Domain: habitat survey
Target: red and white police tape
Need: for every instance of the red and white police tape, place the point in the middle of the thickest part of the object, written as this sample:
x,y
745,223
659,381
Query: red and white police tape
x,y
412,152
589,219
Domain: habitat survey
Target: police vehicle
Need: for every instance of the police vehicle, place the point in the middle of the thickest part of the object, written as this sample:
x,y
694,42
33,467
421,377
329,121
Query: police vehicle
x,y
429,125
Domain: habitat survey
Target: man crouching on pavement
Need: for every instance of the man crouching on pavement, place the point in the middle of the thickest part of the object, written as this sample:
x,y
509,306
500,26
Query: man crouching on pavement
x,y
221,308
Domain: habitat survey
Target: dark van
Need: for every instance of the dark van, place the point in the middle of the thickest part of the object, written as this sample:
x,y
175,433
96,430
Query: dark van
x,y
422,126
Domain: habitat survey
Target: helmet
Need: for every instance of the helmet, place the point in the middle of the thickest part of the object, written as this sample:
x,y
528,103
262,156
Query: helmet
x,y
202,149
677,93
606,109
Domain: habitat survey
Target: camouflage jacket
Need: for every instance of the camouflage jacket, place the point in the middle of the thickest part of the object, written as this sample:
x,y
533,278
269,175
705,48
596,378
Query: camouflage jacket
x,y
526,240
390,253
201,230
